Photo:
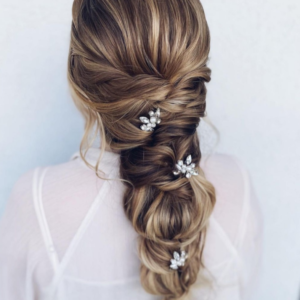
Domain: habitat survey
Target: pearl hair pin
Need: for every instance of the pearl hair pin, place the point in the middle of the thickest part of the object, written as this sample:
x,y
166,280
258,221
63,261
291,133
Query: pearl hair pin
x,y
178,260
150,124
188,168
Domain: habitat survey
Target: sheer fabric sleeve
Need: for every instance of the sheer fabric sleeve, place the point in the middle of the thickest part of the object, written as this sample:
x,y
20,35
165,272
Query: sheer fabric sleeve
x,y
233,246
250,241
232,251
21,247
14,241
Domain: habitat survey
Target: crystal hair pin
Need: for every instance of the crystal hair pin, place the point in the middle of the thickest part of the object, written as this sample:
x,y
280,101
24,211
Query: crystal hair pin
x,y
178,260
150,123
187,168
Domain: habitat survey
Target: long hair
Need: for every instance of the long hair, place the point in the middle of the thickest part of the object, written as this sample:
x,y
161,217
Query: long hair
x,y
128,57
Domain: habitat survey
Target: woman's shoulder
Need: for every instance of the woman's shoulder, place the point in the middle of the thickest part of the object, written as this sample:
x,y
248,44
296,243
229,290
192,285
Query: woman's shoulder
x,y
227,173
226,167
237,208
231,180
235,193
54,177
73,182
235,227
60,194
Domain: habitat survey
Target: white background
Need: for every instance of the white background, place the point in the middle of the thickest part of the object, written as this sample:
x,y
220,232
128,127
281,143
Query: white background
x,y
253,100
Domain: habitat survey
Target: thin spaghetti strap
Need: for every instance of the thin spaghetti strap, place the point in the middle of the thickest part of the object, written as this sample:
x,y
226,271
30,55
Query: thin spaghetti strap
x,y
38,179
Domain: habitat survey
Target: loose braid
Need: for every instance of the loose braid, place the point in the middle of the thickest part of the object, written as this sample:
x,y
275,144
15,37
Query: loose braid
x,y
126,58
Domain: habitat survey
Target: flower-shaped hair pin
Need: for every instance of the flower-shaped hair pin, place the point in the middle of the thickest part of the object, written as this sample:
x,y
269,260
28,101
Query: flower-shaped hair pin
x,y
187,168
150,123
178,260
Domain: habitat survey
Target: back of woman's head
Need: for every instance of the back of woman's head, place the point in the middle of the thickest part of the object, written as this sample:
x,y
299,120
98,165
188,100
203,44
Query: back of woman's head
x,y
128,57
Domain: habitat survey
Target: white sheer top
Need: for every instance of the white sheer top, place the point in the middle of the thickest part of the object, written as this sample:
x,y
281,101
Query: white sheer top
x,y
64,235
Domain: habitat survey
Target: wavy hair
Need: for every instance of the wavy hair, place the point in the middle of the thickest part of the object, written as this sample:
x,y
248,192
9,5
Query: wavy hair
x,y
126,58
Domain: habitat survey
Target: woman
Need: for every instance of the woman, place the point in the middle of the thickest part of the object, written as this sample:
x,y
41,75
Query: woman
x,y
138,216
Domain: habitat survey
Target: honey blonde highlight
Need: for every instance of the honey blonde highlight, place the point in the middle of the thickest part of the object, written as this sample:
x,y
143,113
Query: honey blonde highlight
x,y
126,58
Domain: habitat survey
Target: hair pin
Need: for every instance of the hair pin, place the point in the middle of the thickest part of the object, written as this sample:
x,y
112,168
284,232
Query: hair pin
x,y
187,168
178,260
150,123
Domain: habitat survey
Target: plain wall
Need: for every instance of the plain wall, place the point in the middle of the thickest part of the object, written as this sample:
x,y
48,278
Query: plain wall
x,y
253,100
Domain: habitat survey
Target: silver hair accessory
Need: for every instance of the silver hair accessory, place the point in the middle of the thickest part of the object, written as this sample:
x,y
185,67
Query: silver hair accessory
x,y
188,168
150,124
178,260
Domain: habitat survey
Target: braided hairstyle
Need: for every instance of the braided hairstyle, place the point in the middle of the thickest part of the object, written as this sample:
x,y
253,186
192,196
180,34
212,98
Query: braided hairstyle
x,y
128,57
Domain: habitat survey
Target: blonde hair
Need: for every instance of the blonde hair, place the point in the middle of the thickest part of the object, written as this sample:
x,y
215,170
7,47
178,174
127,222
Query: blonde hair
x,y
126,58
